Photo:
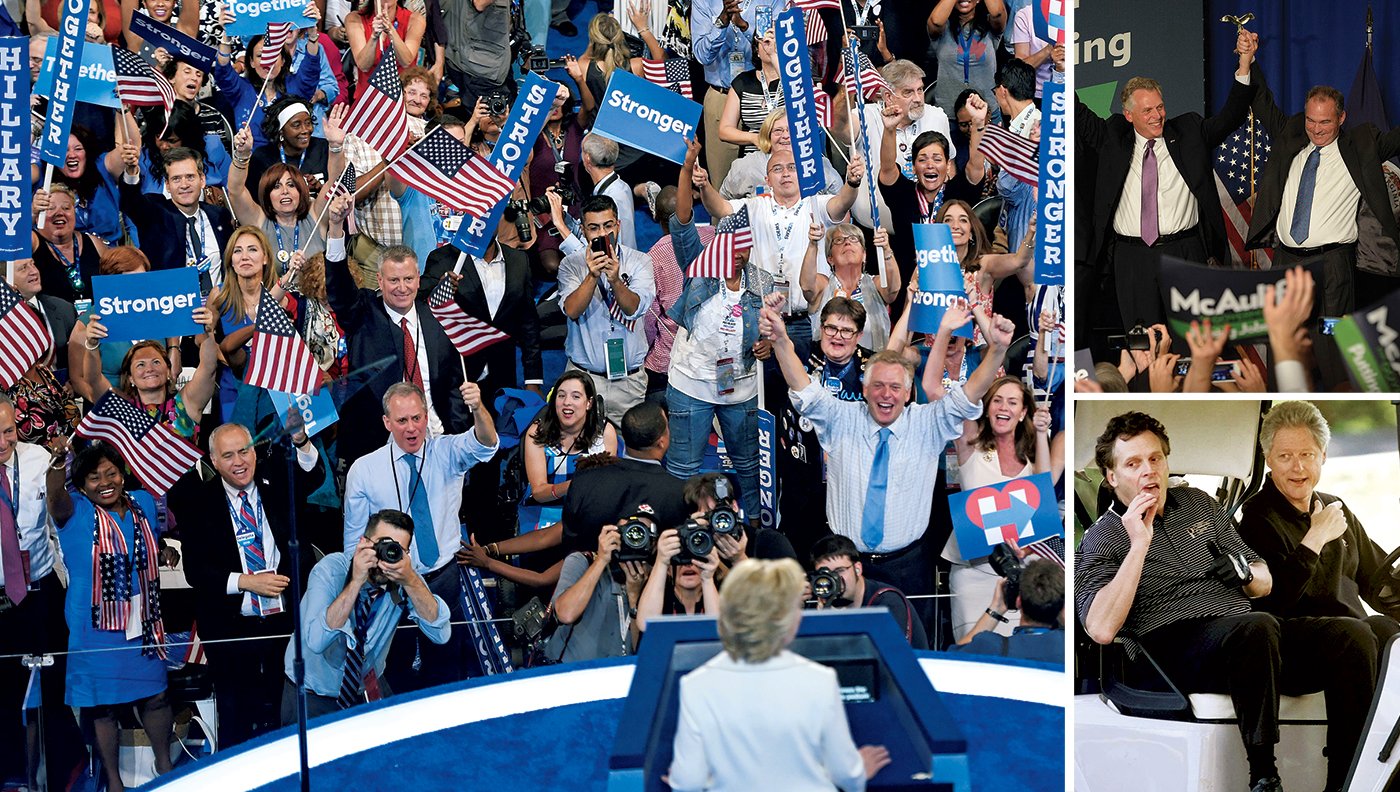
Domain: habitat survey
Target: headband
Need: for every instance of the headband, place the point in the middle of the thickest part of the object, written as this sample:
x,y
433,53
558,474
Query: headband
x,y
289,112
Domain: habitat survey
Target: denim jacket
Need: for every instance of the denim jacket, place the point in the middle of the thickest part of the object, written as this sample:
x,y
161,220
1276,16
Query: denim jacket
x,y
685,241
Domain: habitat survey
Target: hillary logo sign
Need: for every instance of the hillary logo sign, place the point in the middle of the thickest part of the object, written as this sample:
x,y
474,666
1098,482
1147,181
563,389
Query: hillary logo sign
x,y
1019,510
940,278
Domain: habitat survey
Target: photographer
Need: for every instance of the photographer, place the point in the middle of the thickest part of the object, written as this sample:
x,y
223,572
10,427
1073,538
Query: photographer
x,y
1038,592
840,582
709,493
678,586
345,597
596,599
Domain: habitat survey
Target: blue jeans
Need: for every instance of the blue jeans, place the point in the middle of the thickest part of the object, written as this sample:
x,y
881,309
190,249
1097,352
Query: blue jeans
x,y
690,435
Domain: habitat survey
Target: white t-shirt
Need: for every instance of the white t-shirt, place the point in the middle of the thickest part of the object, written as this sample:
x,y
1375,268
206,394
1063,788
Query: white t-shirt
x,y
780,239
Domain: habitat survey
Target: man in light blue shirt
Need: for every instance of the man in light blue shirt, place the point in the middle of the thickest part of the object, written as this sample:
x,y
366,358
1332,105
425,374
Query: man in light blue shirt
x,y
604,291
353,604
423,477
722,41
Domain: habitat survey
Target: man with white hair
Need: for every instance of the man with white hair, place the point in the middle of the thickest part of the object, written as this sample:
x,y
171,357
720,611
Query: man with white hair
x,y
599,157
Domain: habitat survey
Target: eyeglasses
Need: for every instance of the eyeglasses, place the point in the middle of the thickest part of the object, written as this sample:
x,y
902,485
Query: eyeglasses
x,y
841,570
847,239
843,333
776,169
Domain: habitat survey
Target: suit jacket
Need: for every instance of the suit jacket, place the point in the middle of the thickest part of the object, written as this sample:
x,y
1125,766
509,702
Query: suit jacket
x,y
1189,139
603,495
211,553
516,316
1363,149
161,226
61,317
373,336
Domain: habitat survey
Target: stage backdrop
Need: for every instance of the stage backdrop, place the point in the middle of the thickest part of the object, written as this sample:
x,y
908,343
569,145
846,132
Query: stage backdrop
x,y
1114,41
1307,44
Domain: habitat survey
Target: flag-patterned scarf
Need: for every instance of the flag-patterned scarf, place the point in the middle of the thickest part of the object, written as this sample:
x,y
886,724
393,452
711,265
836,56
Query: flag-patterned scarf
x,y
112,566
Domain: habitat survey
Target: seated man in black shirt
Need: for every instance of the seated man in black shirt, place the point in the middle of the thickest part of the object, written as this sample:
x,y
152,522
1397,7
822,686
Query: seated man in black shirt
x,y
1323,562
1040,597
839,556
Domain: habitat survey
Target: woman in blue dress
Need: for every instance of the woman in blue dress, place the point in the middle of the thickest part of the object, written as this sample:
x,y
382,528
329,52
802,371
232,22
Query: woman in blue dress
x,y
108,538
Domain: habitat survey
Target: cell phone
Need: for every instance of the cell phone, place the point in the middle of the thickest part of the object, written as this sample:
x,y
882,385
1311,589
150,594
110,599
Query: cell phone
x,y
600,245
1329,324
868,34
1223,372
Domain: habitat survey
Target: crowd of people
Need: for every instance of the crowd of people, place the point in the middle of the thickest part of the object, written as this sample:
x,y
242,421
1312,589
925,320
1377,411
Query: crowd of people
x,y
593,501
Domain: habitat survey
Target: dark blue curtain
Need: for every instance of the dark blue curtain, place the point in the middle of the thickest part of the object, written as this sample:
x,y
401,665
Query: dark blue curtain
x,y
1306,44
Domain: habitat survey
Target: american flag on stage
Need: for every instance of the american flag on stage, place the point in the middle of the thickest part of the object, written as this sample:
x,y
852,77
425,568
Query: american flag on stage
x,y
279,359
814,5
278,34
1236,169
672,74
138,84
1014,154
157,455
816,28
24,335
444,168
378,116
732,234
469,334
867,81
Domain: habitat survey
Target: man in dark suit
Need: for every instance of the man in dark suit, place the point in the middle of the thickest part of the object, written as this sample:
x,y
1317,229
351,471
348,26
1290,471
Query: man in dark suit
x,y
182,230
1323,194
1155,194
390,324
234,538
58,314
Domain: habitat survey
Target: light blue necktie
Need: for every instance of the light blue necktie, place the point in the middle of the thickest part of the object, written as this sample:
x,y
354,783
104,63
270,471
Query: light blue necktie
x,y
872,521
1302,209
423,534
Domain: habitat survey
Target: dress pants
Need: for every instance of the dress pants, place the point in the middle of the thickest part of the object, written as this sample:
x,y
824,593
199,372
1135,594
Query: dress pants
x,y
1338,298
1136,272
248,676
36,626
1255,657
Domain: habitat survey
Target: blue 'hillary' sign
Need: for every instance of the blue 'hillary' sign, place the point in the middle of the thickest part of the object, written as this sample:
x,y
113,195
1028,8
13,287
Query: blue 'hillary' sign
x,y
647,116
140,305
317,409
97,79
803,128
1020,511
251,17
16,241
940,278
181,47
53,146
1050,206
512,149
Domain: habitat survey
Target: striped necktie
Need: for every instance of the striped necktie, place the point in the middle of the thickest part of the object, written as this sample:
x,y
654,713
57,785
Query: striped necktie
x,y
252,551
352,684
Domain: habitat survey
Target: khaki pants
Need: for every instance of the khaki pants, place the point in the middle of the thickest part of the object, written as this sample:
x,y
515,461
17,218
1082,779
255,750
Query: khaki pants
x,y
619,396
719,156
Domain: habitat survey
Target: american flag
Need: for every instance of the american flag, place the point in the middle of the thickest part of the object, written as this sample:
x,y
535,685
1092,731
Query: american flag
x,y
813,5
279,359
1235,171
469,334
345,185
816,28
868,82
1051,548
822,99
732,234
444,168
25,336
1012,153
157,455
378,116
278,34
138,84
672,74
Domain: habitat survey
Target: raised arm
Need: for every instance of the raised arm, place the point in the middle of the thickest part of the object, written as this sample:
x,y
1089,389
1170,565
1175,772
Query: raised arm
x,y
841,202
1110,606
200,389
812,283
771,326
244,204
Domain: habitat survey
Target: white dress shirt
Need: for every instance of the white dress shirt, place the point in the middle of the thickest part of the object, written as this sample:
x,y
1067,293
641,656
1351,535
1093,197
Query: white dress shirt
x,y
28,466
1335,200
917,438
493,279
269,544
615,188
1177,209
780,240
416,329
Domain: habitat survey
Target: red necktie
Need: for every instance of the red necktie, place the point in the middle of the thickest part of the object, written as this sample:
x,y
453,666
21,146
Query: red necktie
x,y
411,370
16,587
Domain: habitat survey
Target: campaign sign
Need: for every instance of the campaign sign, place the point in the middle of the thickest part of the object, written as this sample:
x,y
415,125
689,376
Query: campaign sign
x,y
1370,344
1225,296
767,470
251,17
1050,205
16,241
317,409
940,278
796,70
141,305
1084,366
647,116
53,146
97,79
181,47
512,149
1049,20
1021,510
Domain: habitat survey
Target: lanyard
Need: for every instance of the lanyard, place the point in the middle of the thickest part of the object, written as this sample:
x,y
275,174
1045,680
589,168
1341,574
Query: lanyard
x,y
71,267
282,255
605,183
862,13
196,237
768,102
928,211
784,234
245,539
282,152
394,466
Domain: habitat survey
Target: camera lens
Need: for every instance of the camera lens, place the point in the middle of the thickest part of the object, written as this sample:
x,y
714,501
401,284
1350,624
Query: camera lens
x,y
723,521
634,535
700,543
388,551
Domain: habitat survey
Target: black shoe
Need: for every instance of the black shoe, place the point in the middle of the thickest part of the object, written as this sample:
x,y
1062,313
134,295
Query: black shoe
x,y
1270,784
566,28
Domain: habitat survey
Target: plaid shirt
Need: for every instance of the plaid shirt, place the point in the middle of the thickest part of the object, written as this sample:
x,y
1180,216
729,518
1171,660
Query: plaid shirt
x,y
376,211
670,282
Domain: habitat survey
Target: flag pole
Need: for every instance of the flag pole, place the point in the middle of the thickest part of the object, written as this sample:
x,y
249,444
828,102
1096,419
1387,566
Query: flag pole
x,y
48,183
317,228
457,270
860,105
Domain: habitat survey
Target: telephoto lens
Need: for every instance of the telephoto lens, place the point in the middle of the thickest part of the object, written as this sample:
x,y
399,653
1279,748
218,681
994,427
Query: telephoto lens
x,y
826,585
